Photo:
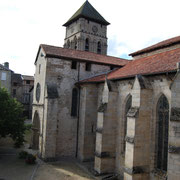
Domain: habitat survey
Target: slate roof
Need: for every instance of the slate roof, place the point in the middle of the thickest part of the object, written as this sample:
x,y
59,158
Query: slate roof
x,y
162,44
5,68
155,64
84,56
89,12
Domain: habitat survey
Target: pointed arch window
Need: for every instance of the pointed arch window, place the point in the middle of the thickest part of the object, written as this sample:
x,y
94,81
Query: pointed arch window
x,y
99,47
87,44
162,133
74,104
127,107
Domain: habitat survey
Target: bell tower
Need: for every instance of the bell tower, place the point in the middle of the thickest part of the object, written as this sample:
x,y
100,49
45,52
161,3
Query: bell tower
x,y
86,30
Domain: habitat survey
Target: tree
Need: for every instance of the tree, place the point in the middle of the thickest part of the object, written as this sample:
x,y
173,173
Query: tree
x,y
11,118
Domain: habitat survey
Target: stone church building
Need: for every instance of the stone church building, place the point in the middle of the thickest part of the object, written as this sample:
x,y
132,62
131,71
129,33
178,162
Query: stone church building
x,y
123,115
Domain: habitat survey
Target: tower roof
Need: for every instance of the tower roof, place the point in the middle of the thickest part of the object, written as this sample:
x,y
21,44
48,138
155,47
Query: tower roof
x,y
89,12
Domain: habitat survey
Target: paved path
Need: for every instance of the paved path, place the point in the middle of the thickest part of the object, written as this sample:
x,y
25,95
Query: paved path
x,y
12,168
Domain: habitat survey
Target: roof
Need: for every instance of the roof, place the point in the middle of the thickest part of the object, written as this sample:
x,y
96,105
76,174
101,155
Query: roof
x,y
25,77
159,63
89,12
162,44
5,68
16,78
71,54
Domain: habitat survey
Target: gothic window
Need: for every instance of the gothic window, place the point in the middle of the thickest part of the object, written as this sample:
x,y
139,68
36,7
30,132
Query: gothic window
x,y
87,45
88,67
99,48
162,133
75,43
74,102
127,107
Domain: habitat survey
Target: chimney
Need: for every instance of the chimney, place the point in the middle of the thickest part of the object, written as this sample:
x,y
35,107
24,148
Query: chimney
x,y
6,65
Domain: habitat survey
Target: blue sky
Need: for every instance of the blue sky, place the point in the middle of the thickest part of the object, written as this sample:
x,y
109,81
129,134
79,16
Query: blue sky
x,y
135,24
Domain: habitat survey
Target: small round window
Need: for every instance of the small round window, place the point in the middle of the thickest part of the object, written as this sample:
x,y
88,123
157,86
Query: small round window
x,y
38,92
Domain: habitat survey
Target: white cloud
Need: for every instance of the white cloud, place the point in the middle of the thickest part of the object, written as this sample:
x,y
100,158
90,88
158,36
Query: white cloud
x,y
135,24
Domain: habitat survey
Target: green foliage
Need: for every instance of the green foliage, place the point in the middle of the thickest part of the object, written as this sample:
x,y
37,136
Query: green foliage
x,y
11,118
28,127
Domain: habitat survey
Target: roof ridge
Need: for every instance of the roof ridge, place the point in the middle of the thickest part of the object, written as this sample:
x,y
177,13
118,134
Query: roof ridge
x,y
89,12
159,45
86,52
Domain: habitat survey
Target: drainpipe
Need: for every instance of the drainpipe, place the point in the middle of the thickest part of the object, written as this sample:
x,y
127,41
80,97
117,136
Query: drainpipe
x,y
77,135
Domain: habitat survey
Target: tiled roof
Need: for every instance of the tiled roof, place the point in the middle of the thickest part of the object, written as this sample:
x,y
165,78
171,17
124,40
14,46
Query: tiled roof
x,y
157,46
70,54
89,12
155,64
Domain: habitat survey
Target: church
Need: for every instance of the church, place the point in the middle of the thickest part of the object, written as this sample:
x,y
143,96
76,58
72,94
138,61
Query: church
x,y
123,115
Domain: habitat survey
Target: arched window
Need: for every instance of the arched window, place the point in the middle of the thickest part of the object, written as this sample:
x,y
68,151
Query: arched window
x,y
87,45
99,47
36,131
74,102
127,107
162,133
75,42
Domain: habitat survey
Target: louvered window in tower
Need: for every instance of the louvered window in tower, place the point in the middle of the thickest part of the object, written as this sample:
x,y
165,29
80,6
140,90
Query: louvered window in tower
x,y
87,45
99,48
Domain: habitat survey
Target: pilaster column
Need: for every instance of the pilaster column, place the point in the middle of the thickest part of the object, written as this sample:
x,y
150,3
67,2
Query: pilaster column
x,y
174,131
138,132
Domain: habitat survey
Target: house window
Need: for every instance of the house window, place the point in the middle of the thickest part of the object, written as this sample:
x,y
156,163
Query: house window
x,y
88,67
99,48
27,81
74,65
3,76
74,102
127,107
162,133
87,45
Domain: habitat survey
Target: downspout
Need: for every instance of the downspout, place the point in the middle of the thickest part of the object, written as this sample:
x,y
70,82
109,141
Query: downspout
x,y
79,91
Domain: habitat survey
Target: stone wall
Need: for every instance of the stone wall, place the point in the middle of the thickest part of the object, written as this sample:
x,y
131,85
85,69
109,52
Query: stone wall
x,y
58,125
87,122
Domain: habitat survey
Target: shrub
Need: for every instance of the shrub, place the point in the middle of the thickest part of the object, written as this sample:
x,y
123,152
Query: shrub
x,y
30,159
23,155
